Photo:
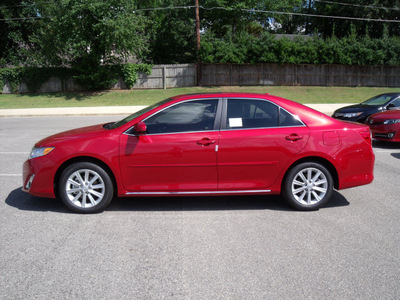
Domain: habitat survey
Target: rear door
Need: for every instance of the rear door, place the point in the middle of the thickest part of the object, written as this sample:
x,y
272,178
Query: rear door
x,y
257,140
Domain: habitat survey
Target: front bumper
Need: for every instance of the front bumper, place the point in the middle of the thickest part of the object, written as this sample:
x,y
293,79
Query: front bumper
x,y
37,177
390,133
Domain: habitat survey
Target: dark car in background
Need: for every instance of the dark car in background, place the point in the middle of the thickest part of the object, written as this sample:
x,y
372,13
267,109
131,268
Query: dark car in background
x,y
360,112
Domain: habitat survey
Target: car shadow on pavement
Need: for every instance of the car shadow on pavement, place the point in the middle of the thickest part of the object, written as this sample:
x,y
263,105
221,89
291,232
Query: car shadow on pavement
x,y
252,202
385,145
382,145
395,155
24,201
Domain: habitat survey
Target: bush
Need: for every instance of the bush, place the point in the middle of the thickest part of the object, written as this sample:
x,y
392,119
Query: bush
x,y
90,78
266,48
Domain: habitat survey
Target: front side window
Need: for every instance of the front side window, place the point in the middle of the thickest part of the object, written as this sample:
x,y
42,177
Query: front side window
x,y
137,114
196,115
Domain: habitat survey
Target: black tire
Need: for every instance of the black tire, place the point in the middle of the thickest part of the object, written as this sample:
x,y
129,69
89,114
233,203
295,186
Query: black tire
x,y
85,187
308,186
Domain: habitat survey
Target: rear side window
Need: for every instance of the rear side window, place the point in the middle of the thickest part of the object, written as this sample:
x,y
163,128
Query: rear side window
x,y
197,115
286,119
248,114
251,114
396,102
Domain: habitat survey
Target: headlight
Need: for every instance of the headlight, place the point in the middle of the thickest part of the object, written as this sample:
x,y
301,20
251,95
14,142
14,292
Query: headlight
x,y
40,151
390,122
352,115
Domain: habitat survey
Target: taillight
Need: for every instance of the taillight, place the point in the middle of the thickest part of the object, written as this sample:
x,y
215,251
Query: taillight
x,y
366,134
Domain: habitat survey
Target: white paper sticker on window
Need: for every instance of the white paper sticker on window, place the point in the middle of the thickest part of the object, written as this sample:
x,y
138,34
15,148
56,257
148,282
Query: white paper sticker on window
x,y
235,122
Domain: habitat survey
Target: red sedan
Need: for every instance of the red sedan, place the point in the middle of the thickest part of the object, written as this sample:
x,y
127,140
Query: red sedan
x,y
385,126
202,145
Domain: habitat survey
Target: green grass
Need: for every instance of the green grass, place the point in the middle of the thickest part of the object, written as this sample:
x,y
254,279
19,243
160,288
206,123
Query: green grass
x,y
145,97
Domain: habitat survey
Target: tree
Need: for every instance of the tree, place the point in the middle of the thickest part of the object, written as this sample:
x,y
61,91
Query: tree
x,y
16,25
366,9
89,32
219,16
171,31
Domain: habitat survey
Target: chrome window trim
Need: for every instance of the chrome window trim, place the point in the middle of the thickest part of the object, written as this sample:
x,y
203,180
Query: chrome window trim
x,y
180,132
225,129
275,127
188,100
279,107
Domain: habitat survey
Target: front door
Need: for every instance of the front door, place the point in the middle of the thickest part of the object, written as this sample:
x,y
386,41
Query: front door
x,y
177,153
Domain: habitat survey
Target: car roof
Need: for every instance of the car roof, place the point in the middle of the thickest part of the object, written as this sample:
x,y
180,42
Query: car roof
x,y
306,114
219,94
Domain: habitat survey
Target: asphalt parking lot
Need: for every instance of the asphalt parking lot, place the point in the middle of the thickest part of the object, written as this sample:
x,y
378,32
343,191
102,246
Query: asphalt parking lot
x,y
246,247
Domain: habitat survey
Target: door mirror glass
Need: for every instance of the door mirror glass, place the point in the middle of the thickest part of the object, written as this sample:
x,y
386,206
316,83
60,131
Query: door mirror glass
x,y
140,128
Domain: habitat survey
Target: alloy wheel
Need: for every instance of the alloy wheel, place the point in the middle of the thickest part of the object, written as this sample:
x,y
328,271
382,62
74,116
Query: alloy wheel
x,y
309,186
85,188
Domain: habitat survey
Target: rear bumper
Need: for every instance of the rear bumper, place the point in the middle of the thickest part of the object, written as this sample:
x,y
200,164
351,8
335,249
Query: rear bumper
x,y
359,169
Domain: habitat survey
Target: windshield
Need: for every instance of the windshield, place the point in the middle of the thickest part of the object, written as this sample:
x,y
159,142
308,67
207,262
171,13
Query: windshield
x,y
380,99
137,114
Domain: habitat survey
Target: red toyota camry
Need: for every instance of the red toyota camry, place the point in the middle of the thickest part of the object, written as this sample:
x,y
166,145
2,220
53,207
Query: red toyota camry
x,y
385,126
202,145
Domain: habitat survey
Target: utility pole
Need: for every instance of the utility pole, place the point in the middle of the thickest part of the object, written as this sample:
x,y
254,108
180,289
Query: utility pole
x,y
308,20
197,25
198,42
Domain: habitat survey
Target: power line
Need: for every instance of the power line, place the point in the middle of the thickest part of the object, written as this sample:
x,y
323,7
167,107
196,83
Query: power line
x,y
245,10
165,8
25,5
22,19
358,5
141,9
303,15
191,6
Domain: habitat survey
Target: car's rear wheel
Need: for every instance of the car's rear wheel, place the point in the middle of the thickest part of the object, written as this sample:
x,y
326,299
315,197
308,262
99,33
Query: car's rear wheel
x,y
85,187
308,186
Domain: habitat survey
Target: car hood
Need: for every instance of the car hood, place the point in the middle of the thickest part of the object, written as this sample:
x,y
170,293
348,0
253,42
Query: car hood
x,y
389,114
357,107
84,132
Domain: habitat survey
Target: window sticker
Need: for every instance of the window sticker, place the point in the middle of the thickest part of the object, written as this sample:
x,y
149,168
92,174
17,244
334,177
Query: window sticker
x,y
235,122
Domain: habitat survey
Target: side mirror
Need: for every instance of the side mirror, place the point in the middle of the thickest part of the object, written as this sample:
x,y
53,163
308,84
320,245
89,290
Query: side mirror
x,y
391,106
140,128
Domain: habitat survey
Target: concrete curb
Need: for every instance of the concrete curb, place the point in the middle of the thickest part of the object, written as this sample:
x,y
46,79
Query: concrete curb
x,y
116,110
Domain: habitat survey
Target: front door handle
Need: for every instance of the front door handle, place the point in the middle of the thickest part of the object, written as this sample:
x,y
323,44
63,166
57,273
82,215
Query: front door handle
x,y
294,137
205,142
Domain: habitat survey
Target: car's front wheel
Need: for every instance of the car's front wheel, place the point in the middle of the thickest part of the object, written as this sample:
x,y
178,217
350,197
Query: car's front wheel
x,y
308,186
85,187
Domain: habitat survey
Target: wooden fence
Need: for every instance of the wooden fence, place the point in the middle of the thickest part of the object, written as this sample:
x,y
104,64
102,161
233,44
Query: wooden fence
x,y
306,75
185,75
166,76
162,76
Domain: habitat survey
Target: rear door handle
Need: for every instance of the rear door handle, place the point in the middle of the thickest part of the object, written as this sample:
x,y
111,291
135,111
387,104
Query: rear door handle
x,y
205,142
294,137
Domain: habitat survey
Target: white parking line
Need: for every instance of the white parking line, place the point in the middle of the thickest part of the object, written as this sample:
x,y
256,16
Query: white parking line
x,y
10,175
14,152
